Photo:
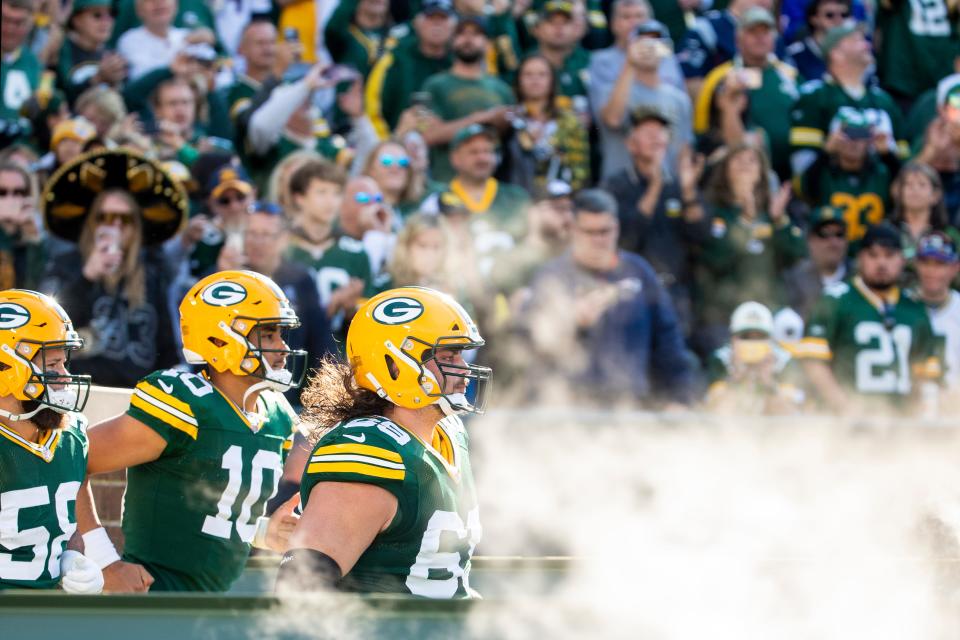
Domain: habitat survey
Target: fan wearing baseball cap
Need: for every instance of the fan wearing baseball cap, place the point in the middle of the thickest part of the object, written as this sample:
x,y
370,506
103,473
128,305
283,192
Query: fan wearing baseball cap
x,y
753,374
938,263
868,345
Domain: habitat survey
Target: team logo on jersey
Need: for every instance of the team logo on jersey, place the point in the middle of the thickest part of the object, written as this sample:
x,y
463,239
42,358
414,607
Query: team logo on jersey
x,y
224,294
13,316
397,311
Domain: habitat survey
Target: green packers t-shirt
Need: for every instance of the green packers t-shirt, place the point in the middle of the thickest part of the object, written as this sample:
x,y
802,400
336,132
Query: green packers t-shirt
x,y
453,98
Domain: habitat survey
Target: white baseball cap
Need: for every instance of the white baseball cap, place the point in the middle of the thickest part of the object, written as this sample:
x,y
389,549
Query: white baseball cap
x,y
751,316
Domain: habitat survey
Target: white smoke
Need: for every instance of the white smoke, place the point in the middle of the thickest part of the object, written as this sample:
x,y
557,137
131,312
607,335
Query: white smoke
x,y
741,529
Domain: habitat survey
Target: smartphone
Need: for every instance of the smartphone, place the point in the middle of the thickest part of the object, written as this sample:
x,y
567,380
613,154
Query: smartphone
x,y
290,34
750,77
107,240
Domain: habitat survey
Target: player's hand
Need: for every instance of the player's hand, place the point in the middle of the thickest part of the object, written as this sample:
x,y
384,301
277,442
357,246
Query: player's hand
x,y
281,525
126,577
80,575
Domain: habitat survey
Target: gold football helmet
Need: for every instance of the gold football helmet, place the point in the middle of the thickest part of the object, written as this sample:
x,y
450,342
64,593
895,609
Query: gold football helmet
x,y
217,321
32,324
397,332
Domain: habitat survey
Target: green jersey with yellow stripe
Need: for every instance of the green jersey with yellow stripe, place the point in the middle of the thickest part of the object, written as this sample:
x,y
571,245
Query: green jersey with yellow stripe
x,y
38,492
426,550
874,348
189,516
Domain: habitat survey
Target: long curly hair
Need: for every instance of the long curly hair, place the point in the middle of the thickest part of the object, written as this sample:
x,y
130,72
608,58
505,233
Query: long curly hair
x,y
333,396
718,188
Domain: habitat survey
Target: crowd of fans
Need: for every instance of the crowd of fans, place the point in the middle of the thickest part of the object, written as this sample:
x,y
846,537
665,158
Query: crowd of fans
x,y
746,205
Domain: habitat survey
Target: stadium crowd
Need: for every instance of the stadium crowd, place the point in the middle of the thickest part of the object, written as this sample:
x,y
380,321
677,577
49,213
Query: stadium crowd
x,y
747,206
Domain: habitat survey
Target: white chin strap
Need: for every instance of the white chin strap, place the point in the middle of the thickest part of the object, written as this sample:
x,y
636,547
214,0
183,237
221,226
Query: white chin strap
x,y
447,406
277,380
64,397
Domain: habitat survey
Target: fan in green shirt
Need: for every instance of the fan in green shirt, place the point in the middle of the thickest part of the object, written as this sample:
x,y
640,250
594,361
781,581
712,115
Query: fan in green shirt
x,y
557,34
402,72
463,96
356,34
869,340
20,71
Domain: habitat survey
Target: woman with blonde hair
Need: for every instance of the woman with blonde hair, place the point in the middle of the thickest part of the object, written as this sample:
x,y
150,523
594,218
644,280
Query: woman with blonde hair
x,y
403,183
426,255
278,186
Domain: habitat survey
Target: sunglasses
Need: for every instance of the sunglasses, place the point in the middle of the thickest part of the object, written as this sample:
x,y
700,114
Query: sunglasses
x,y
388,160
833,15
16,193
362,197
226,199
826,235
113,217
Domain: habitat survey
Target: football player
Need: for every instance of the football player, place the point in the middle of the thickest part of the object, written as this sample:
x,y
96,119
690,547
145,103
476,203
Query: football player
x,y
869,340
43,452
204,452
388,493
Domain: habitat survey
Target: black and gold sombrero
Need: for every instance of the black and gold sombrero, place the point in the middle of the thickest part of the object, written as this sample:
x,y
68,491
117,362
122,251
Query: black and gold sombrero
x,y
71,190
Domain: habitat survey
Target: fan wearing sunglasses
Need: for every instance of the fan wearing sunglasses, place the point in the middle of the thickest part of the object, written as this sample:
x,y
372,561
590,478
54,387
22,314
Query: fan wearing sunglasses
x,y
821,16
21,245
403,185
827,263
83,60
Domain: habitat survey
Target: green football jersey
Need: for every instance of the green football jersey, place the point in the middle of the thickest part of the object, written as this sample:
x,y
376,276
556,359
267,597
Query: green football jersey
x,y
38,493
189,516
822,100
868,355
426,550
861,195
19,78
920,40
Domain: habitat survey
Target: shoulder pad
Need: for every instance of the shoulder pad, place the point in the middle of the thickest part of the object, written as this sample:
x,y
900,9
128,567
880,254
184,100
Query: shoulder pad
x,y
350,245
837,289
365,449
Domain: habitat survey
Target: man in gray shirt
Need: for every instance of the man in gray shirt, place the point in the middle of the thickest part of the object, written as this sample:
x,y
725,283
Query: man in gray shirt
x,y
630,75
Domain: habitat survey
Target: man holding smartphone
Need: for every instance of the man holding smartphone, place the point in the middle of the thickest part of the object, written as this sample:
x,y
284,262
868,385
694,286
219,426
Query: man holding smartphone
x,y
769,84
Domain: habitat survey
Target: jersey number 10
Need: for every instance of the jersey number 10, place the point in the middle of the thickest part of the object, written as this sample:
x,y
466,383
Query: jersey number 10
x,y
221,525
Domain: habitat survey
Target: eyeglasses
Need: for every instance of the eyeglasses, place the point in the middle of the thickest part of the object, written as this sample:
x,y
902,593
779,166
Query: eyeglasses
x,y
388,160
113,217
225,200
833,15
826,235
16,193
362,197
597,233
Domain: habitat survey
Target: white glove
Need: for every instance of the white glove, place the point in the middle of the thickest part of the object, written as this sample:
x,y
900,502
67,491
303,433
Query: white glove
x,y
80,574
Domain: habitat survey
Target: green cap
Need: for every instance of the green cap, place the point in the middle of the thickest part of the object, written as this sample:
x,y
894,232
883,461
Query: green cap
x,y
646,112
825,215
556,6
81,5
835,36
755,16
469,132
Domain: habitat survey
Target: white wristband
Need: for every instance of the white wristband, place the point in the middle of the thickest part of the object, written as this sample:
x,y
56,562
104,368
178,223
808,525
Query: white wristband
x,y
260,535
98,548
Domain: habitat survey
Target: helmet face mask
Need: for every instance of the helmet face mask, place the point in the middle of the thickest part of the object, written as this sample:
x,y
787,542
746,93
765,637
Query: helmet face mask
x,y
477,378
62,392
256,360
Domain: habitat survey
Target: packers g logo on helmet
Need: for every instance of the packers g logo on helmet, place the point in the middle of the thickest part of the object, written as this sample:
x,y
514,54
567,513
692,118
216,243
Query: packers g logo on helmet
x,y
13,315
397,311
224,294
